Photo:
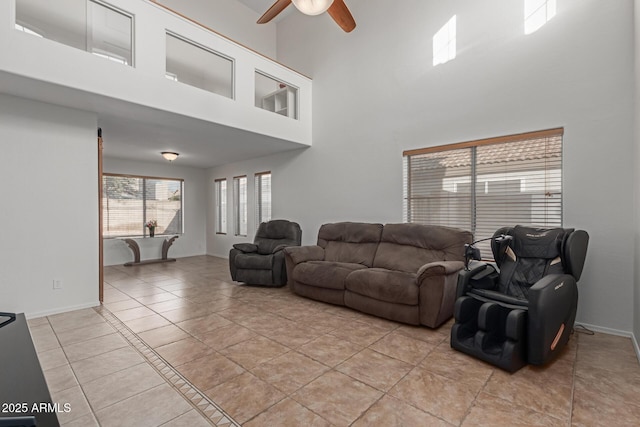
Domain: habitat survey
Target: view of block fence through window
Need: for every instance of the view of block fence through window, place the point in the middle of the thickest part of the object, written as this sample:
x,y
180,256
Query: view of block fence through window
x,y
130,202
484,185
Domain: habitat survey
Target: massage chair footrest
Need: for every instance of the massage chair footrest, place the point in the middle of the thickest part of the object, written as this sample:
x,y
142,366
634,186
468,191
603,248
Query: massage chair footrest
x,y
491,332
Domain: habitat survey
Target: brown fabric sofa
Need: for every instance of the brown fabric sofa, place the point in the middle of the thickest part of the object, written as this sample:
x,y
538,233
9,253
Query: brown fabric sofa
x,y
401,272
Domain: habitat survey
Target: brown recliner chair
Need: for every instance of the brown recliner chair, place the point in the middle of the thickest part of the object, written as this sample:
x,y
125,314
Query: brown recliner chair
x,y
262,262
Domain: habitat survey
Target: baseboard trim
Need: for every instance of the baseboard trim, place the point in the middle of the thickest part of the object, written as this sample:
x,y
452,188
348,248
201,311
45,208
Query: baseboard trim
x,y
61,310
617,332
225,256
604,330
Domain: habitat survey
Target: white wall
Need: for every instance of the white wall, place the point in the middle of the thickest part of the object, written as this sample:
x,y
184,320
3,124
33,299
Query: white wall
x,y
49,208
377,94
193,241
232,19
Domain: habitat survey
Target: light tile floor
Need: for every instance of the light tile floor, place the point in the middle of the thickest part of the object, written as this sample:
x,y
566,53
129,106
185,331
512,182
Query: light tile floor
x,y
179,344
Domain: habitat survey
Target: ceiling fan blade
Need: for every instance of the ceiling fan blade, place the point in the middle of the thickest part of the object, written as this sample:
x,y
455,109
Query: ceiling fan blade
x,y
274,10
340,13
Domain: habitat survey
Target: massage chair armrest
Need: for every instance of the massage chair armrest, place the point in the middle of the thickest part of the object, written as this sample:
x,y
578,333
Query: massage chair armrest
x,y
298,254
480,275
552,291
552,304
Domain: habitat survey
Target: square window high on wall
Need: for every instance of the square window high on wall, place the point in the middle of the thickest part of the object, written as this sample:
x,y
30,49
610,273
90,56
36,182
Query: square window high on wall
x,y
240,205
444,42
484,185
537,13
263,197
221,205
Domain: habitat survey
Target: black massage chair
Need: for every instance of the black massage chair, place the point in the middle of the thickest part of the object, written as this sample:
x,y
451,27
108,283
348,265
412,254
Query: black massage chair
x,y
520,310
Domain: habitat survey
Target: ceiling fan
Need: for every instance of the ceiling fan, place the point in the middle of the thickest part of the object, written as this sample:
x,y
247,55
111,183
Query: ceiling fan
x,y
336,8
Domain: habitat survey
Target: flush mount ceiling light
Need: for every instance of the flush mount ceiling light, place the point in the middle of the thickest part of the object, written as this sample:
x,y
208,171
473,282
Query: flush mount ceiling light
x,y
312,7
169,155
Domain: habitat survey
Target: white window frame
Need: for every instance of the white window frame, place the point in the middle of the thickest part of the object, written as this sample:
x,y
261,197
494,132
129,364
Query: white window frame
x,y
220,194
263,200
240,220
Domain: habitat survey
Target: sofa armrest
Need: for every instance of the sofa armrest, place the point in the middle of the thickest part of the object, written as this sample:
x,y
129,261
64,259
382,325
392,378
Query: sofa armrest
x,y
437,282
439,268
298,254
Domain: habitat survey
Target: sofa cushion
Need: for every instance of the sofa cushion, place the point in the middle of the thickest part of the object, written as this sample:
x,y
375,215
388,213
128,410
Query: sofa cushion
x,y
386,285
254,261
407,247
324,274
350,242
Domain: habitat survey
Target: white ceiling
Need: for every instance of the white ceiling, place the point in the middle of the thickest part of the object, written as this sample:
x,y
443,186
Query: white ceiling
x,y
260,6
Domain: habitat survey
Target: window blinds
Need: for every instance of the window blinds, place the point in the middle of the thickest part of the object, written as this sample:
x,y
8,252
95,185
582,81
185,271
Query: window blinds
x,y
221,205
240,205
485,185
263,197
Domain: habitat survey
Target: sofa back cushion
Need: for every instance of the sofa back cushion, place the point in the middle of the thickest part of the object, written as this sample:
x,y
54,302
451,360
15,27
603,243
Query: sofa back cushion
x,y
352,242
407,247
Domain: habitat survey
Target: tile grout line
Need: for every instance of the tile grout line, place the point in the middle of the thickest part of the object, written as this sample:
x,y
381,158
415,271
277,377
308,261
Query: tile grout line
x,y
201,402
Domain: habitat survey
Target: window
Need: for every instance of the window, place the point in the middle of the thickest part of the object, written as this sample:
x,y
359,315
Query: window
x,y
240,206
193,64
130,201
275,96
444,43
221,205
537,13
84,24
484,185
263,197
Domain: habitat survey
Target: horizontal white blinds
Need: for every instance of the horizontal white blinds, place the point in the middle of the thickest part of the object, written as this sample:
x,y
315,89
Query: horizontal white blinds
x,y
485,186
438,188
129,202
240,206
221,205
263,197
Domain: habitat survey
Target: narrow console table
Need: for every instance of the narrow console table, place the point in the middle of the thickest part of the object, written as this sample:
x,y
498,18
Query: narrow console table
x,y
133,245
24,396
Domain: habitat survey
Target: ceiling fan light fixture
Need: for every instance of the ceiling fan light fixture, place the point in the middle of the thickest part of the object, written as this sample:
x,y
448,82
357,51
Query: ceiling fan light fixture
x,y
169,155
312,7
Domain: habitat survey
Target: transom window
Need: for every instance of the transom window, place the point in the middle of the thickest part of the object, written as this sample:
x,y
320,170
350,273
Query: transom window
x,y
484,185
129,202
537,13
444,43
